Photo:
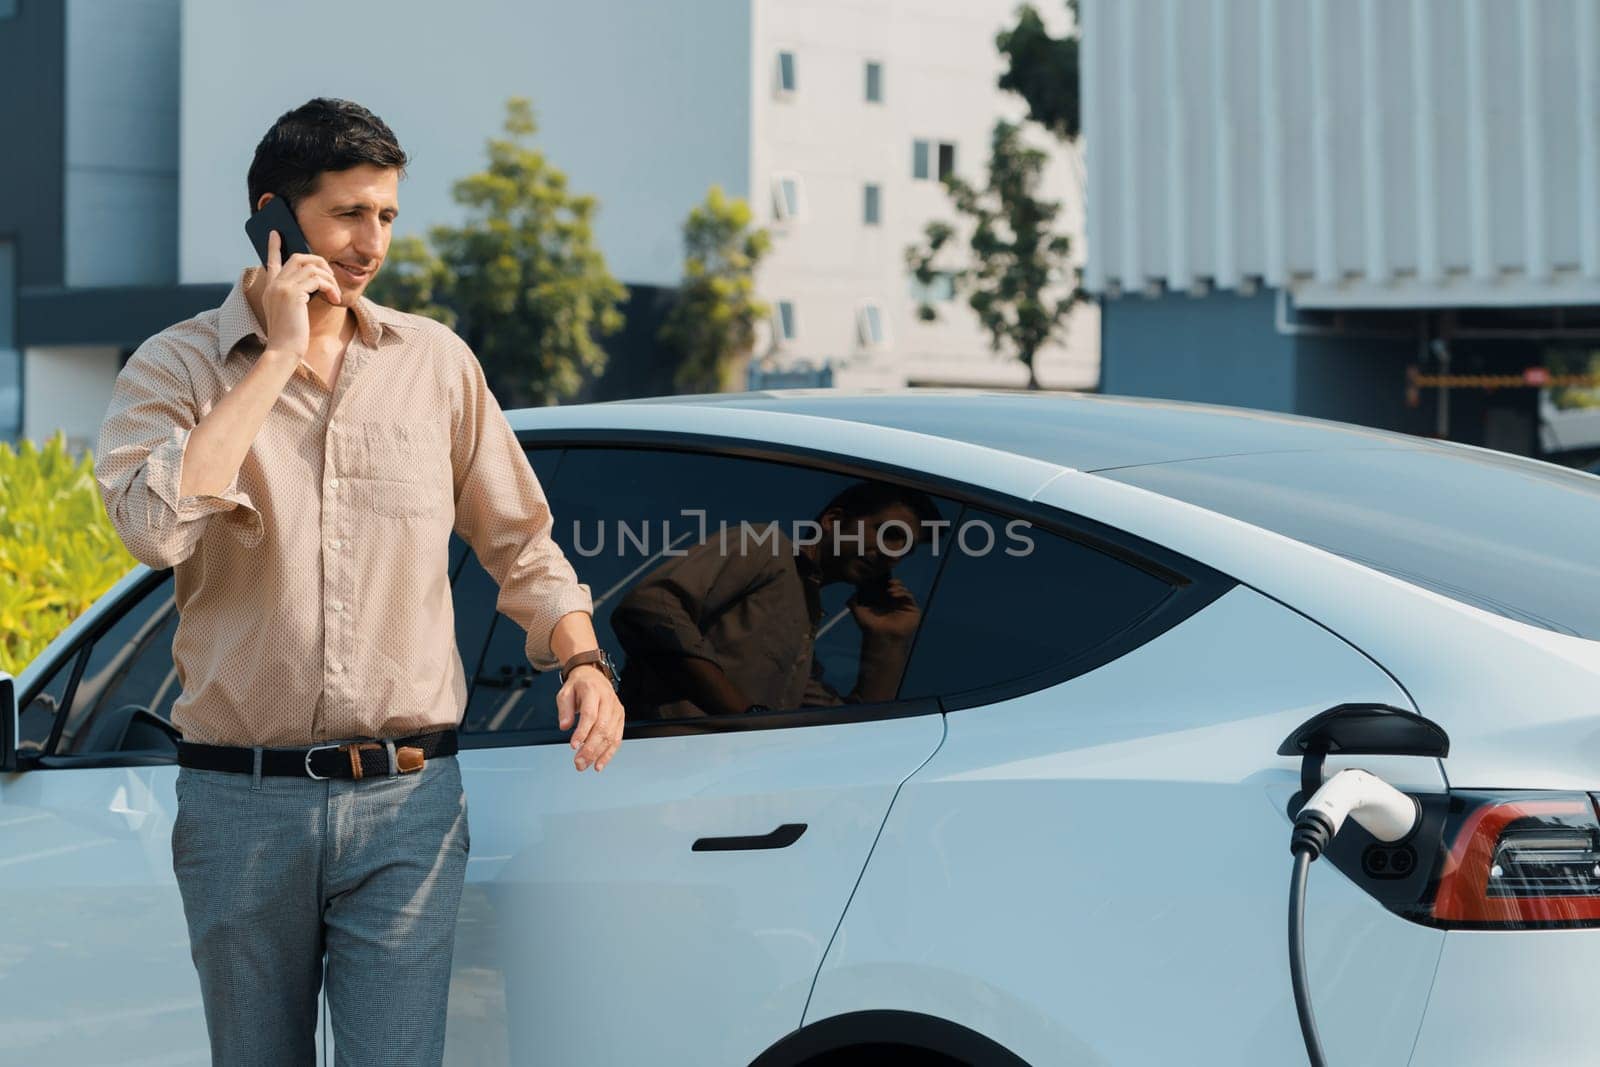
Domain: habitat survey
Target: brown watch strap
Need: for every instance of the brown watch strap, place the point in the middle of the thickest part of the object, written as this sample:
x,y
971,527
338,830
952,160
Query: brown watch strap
x,y
578,659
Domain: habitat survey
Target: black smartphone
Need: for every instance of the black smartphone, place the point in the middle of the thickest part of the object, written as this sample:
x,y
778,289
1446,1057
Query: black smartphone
x,y
874,591
276,216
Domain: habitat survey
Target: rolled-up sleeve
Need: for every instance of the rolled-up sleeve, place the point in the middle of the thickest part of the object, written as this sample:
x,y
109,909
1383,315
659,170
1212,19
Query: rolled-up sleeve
x,y
502,512
138,465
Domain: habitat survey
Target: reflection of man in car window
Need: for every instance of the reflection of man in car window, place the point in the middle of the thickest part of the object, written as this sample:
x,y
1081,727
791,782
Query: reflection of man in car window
x,y
731,625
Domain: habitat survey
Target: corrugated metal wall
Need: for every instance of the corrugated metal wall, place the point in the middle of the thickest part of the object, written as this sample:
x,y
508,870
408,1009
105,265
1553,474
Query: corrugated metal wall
x,y
1358,152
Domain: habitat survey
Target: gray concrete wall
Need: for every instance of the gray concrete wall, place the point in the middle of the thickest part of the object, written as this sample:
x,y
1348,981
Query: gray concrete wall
x,y
122,142
1356,379
1227,349
1220,349
32,62
68,390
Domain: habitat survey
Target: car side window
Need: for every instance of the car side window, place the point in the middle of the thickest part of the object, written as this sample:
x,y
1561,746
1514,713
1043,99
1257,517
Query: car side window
x,y
458,554
723,583
474,593
128,681
1016,600
38,715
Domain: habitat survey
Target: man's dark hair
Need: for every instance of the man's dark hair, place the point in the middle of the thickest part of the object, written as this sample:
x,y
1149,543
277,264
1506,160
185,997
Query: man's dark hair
x,y
321,135
869,498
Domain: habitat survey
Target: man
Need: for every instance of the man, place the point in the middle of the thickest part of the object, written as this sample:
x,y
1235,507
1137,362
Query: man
x,y
731,625
299,457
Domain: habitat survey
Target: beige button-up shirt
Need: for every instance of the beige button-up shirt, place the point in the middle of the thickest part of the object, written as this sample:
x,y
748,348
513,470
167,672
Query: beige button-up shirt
x,y
313,592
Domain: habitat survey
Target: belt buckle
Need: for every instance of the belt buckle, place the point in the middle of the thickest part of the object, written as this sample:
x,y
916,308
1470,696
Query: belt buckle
x,y
311,773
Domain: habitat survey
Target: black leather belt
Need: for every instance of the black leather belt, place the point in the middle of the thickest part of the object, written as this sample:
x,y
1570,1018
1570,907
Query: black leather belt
x,y
350,759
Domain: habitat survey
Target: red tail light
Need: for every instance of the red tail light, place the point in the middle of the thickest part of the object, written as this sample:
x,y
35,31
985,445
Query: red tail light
x,y
1514,861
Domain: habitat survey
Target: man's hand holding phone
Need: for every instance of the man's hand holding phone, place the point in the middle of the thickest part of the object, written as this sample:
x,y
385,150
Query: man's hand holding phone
x,y
885,608
289,288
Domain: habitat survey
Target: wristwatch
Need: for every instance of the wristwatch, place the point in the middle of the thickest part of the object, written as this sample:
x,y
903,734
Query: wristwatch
x,y
598,656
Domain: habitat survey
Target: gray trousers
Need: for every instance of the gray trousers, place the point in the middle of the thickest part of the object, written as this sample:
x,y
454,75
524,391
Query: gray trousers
x,y
279,875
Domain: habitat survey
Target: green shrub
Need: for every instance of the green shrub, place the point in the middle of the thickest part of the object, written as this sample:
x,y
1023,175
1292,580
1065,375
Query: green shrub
x,y
58,550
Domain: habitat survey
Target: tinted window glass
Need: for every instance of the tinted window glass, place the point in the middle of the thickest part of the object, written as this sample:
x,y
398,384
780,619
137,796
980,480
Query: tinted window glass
x,y
1015,600
701,594
1504,534
129,667
10,358
39,713
474,594
507,694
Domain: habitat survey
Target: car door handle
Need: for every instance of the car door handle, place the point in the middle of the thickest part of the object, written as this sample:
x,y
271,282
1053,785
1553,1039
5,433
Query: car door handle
x,y
782,837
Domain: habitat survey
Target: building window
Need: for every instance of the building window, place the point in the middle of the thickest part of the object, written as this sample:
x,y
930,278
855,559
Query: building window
x,y
10,357
872,205
874,82
785,323
788,202
941,289
923,153
786,74
869,326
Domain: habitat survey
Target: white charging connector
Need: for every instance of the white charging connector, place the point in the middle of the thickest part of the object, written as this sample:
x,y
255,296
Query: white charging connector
x,y
1381,809
1385,813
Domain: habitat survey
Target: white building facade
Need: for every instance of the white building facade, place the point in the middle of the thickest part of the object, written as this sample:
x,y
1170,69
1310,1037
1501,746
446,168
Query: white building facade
x,y
646,106
856,110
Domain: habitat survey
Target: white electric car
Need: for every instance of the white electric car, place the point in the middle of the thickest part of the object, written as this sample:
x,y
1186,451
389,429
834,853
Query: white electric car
x,y
1064,841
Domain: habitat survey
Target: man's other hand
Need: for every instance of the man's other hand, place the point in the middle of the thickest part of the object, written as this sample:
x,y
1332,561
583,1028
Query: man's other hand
x,y
895,615
588,698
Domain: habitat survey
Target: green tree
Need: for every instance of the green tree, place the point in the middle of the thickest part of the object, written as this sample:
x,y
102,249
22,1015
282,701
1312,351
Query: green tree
x,y
521,280
58,549
1017,281
1043,70
414,279
711,327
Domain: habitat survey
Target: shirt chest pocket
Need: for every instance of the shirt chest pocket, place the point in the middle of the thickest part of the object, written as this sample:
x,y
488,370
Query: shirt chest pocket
x,y
396,469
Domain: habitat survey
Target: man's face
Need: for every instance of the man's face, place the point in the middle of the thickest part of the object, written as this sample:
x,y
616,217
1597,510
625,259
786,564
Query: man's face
x,y
348,221
886,537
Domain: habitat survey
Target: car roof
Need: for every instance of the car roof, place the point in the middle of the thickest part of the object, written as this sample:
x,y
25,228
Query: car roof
x,y
1082,431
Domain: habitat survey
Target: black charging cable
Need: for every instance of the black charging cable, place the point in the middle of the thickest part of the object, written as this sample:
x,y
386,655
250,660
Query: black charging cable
x,y
1312,832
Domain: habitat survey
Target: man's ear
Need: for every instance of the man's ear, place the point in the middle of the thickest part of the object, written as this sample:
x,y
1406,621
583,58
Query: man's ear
x,y
261,203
